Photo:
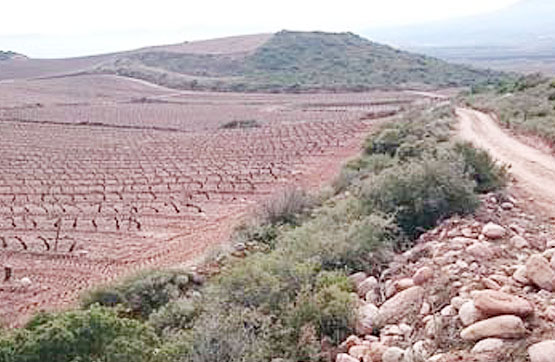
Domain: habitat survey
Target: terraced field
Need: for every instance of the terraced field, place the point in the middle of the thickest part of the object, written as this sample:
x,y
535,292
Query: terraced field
x,y
101,176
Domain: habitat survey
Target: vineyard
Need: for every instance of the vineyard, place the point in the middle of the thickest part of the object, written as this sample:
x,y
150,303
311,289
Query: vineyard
x,y
101,177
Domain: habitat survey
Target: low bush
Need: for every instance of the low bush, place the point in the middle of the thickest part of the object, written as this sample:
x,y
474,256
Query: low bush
x,y
174,316
286,207
386,142
94,335
251,123
421,193
482,168
142,294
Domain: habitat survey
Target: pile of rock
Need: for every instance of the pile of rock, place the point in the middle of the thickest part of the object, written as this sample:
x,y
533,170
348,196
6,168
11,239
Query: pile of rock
x,y
471,289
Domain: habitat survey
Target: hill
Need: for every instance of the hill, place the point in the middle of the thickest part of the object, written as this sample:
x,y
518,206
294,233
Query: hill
x,y
519,37
283,62
296,61
9,55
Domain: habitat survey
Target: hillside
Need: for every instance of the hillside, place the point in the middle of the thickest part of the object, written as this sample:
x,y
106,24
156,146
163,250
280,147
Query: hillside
x,y
9,55
295,61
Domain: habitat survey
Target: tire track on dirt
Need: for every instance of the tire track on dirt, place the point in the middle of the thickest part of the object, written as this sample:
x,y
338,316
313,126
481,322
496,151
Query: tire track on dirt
x,y
533,169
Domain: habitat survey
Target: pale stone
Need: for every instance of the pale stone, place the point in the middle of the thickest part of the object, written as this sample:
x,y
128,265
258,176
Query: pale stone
x,y
393,354
357,278
25,281
403,284
519,242
469,314
448,311
488,345
550,313
350,342
505,326
420,351
457,302
405,303
405,329
542,352
490,284
480,251
422,275
391,330
520,275
377,349
366,316
493,303
493,231
372,296
539,272
426,308
367,285
360,352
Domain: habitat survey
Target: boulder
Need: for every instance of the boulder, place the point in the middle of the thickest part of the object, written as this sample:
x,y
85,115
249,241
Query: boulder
x,y
366,316
542,352
423,275
377,349
539,272
403,284
458,302
505,326
469,314
420,351
493,303
493,231
393,354
361,352
480,251
367,285
350,342
488,345
405,303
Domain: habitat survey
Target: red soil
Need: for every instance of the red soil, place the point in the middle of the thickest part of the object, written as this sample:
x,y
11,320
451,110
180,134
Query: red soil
x,y
83,204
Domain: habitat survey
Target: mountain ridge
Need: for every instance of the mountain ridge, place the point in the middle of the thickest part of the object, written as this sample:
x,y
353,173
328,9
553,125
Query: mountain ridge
x,y
287,61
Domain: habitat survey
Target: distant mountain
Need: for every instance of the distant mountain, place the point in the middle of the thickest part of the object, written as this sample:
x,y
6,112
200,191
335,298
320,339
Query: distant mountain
x,y
9,55
295,61
287,61
524,31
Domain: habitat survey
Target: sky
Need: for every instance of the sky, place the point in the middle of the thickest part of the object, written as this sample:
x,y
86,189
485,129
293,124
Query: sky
x,y
65,28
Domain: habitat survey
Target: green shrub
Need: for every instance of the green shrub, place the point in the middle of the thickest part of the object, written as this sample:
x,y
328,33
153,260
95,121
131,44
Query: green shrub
x,y
329,310
386,142
142,294
482,168
230,334
421,193
265,234
94,335
176,315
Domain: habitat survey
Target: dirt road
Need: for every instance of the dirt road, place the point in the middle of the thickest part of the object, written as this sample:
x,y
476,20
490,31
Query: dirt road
x,y
533,169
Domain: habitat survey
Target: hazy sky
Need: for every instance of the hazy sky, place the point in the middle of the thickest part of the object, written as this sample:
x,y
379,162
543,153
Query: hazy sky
x,y
61,28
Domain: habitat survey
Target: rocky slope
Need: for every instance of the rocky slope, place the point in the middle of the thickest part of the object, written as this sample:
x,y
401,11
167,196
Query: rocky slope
x,y
473,289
